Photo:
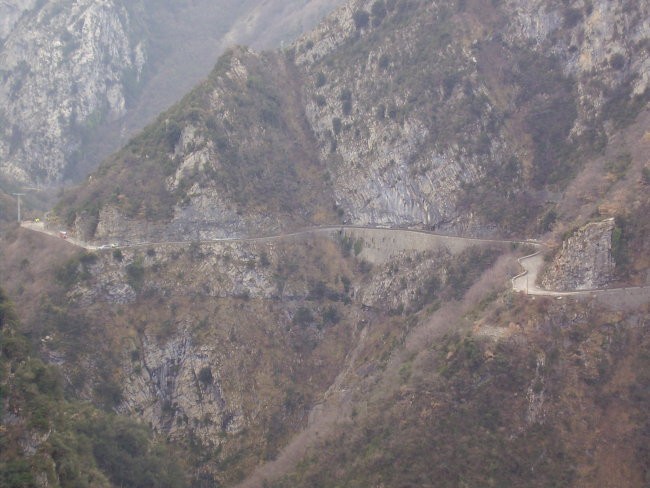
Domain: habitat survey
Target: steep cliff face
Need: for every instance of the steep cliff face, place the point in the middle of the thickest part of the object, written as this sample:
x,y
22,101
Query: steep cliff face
x,y
235,157
421,109
51,440
602,38
77,78
585,261
65,69
384,86
222,347
228,348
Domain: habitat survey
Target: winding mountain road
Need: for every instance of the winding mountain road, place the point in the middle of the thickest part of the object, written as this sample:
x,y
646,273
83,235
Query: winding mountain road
x,y
525,282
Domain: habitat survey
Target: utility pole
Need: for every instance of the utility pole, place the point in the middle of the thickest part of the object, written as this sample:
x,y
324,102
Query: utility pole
x,y
18,195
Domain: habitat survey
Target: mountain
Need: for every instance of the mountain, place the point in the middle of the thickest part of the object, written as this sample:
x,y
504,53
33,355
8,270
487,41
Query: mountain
x,y
446,118
286,303
78,78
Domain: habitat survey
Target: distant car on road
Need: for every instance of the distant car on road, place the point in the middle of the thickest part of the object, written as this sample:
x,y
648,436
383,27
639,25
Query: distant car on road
x,y
104,246
63,234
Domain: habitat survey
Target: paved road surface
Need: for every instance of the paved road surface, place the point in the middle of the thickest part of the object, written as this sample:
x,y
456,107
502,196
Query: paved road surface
x,y
525,282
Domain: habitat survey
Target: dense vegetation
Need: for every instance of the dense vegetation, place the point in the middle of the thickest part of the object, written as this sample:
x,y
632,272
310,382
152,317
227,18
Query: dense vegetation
x,y
47,436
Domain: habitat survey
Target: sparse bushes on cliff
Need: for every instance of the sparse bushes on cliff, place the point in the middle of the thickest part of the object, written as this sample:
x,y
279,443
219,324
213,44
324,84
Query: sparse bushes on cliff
x,y
320,79
617,61
466,268
303,317
75,269
336,126
572,16
205,375
346,101
623,106
331,315
135,274
619,165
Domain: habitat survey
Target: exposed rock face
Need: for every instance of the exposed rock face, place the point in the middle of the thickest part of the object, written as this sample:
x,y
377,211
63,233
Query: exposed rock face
x,y
401,286
177,389
79,77
388,162
193,368
224,344
593,39
391,164
235,171
65,69
585,260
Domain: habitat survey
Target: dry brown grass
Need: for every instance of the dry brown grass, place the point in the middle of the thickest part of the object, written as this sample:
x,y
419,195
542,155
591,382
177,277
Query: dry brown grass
x,y
27,263
393,340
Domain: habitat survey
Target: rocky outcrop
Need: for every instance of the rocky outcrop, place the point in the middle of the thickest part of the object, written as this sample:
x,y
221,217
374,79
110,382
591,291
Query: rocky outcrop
x,y
177,387
184,358
67,68
387,161
77,78
394,159
407,283
592,39
585,261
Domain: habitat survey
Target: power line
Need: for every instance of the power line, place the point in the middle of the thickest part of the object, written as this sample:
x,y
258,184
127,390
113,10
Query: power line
x,y
18,195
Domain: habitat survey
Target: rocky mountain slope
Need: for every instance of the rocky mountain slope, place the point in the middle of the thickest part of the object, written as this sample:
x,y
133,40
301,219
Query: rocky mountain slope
x,y
356,357
498,406
225,347
80,77
231,350
449,117
424,109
